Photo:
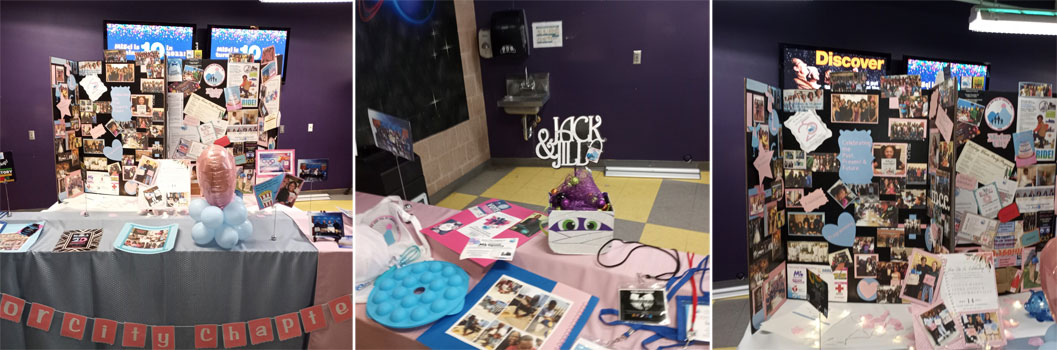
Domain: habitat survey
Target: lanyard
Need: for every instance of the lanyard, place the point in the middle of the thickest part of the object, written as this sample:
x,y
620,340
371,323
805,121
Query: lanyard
x,y
661,332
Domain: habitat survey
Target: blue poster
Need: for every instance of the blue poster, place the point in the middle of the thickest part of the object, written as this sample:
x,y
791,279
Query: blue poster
x,y
167,40
225,41
856,156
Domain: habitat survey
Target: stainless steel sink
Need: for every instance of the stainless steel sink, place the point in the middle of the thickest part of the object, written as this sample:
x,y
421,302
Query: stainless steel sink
x,y
526,95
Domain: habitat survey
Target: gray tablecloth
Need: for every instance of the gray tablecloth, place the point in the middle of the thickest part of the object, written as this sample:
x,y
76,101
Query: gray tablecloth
x,y
186,286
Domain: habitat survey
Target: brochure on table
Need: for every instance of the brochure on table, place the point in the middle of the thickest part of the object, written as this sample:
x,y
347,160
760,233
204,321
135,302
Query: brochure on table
x,y
492,307
142,239
18,238
491,219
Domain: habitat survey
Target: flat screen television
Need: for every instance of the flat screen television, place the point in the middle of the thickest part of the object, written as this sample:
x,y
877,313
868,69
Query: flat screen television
x,y
170,39
225,40
928,67
809,67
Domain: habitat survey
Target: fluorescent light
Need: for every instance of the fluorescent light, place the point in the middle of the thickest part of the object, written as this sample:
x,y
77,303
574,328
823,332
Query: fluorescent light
x,y
1013,21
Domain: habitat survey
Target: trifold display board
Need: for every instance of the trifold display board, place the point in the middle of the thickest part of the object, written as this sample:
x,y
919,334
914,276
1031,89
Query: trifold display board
x,y
228,106
69,177
847,184
113,116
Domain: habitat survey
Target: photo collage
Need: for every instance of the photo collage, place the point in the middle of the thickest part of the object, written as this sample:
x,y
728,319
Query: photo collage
x,y
511,315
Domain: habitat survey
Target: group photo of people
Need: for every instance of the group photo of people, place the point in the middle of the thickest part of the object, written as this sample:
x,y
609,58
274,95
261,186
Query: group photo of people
x,y
802,100
806,224
907,129
900,85
853,108
825,162
120,73
850,81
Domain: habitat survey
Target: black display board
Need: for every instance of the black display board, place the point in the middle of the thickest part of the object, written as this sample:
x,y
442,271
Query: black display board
x,y
69,177
142,136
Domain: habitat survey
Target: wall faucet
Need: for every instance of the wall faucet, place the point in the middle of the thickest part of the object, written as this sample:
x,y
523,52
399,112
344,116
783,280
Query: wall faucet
x,y
528,83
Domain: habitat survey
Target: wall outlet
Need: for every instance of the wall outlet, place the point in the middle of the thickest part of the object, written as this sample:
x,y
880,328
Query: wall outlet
x,y
282,129
309,127
32,135
636,57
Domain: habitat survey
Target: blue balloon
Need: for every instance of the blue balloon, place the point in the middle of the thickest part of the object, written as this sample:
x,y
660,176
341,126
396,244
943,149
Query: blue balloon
x,y
200,234
234,213
245,230
227,238
1051,334
212,217
1048,345
196,208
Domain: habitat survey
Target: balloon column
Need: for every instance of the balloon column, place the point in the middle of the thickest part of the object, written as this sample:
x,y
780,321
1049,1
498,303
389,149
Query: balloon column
x,y
219,215
1048,272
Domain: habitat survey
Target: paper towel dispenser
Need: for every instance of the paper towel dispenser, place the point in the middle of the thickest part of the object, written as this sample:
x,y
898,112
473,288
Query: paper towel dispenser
x,y
510,36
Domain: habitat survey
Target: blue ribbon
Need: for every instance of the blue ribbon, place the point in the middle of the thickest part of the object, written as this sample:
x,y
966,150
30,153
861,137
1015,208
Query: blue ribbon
x,y
662,332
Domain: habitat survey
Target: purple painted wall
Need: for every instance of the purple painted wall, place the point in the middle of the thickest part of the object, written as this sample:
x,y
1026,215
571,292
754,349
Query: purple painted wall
x,y
318,88
657,110
746,46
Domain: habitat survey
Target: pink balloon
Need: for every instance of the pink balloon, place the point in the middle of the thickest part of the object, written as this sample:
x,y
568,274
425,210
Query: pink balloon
x,y
216,175
1048,274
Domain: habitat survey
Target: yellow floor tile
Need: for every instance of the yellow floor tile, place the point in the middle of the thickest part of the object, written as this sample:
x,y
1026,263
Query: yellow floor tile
x,y
703,180
456,201
323,205
633,198
675,238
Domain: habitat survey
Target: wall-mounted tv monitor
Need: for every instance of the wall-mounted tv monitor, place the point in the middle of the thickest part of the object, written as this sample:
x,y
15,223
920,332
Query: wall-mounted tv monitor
x,y
167,38
928,67
225,40
808,67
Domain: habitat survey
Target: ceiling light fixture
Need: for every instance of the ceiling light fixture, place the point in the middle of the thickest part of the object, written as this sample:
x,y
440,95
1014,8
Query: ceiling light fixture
x,y
1013,21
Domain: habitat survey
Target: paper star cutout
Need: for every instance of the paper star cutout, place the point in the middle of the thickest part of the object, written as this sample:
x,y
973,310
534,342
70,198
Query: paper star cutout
x,y
763,164
64,106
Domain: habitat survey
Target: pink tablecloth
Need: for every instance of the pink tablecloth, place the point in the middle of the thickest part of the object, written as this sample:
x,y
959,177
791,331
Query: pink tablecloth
x,y
333,279
579,271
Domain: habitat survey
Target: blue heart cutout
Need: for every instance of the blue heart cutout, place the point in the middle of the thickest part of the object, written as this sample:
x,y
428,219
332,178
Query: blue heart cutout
x,y
113,152
843,233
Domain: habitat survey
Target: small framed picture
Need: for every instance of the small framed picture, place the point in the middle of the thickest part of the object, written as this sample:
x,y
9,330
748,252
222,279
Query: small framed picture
x,y
275,162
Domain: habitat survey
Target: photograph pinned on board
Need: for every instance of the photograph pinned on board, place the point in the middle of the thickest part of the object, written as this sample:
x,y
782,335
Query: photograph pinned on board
x,y
842,194
907,129
806,224
853,108
848,81
890,159
120,73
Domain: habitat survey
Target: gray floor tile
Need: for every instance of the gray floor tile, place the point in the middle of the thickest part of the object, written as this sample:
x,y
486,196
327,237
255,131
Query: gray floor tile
x,y
484,180
682,205
735,316
477,202
538,208
628,230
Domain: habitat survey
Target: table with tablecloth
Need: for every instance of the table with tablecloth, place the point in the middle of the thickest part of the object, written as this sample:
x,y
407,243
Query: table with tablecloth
x,y
186,286
579,271
333,270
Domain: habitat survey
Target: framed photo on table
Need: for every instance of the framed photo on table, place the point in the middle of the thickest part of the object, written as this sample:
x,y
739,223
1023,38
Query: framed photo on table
x,y
275,162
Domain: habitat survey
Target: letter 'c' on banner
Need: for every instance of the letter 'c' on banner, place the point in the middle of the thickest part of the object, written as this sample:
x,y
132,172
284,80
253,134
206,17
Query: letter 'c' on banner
x,y
206,336
73,325
11,308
